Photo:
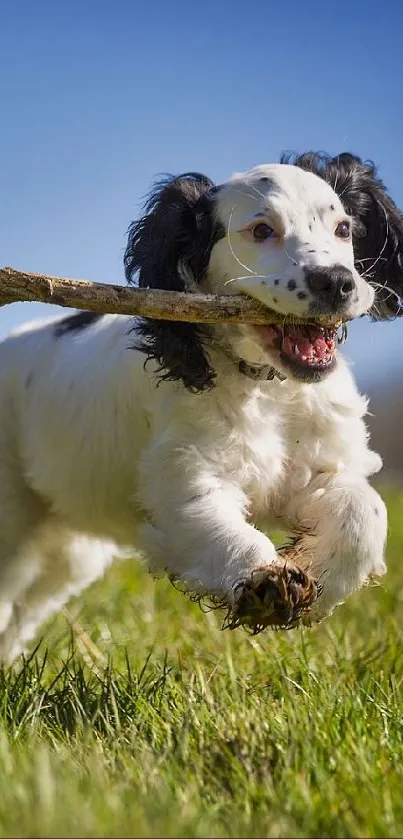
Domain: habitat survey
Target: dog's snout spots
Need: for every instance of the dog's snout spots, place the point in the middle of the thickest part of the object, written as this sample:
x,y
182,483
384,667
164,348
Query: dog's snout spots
x,y
291,285
330,286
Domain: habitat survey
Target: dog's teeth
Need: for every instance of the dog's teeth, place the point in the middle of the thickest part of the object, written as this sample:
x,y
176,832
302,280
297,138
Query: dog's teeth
x,y
296,350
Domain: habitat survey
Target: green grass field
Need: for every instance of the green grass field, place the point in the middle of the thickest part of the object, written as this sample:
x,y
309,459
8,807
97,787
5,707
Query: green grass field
x,y
184,730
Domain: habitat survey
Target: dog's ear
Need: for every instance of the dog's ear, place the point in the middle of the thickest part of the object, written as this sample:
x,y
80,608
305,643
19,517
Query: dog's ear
x,y
169,248
377,230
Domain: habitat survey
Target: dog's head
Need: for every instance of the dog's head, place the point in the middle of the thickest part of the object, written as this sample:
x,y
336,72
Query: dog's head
x,y
318,238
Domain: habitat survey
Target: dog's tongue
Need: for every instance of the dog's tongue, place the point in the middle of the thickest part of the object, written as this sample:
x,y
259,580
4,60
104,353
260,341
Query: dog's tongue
x,y
308,343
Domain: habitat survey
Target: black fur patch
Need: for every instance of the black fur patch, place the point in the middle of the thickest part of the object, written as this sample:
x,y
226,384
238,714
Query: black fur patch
x,y
178,229
76,322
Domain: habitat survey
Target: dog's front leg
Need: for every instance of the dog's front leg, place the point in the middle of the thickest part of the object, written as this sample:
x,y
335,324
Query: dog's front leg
x,y
343,526
197,532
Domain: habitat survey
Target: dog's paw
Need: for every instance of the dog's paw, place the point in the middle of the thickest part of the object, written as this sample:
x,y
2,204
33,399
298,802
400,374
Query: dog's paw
x,y
277,596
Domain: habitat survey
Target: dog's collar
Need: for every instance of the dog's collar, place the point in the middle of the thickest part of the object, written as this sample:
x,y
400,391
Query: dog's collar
x,y
259,372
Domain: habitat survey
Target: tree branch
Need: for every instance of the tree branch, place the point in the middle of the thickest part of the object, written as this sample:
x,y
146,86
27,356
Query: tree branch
x,y
17,286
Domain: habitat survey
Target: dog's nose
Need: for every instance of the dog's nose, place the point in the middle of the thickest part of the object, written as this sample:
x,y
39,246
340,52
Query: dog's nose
x,y
333,286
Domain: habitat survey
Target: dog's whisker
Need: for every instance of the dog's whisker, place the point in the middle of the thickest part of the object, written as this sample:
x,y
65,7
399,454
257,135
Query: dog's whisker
x,y
391,291
243,193
386,287
371,267
255,189
290,257
246,277
230,245
369,259
336,180
343,192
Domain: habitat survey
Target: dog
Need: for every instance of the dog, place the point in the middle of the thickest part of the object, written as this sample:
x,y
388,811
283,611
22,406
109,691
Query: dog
x,y
189,442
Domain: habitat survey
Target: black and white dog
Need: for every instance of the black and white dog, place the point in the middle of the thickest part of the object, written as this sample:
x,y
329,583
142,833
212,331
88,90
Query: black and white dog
x,y
249,424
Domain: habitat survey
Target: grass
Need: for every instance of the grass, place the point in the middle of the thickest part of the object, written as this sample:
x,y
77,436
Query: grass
x,y
184,730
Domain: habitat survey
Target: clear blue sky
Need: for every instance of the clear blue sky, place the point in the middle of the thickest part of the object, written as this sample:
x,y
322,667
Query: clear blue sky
x,y
97,98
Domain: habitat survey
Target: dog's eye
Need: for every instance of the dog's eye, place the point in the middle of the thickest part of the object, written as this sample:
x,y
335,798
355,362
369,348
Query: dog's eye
x,y
343,230
262,231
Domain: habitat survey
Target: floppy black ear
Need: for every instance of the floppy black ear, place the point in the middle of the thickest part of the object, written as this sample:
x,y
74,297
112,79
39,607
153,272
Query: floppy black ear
x,y
169,248
377,230
377,224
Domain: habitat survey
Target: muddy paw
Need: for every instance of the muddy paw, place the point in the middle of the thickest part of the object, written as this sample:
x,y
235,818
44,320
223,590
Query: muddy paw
x,y
279,596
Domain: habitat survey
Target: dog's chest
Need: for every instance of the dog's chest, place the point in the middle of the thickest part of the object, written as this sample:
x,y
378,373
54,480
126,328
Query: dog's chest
x,y
283,440
255,448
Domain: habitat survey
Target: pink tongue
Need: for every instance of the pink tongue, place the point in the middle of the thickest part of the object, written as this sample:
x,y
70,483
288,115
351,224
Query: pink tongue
x,y
316,348
320,347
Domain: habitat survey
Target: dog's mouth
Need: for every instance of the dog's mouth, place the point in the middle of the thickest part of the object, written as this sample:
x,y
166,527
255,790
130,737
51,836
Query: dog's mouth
x,y
307,350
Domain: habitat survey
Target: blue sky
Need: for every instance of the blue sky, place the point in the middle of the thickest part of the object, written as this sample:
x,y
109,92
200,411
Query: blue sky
x,y
97,98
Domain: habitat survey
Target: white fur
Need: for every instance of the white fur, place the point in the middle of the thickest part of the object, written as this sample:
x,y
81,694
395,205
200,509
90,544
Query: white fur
x,y
95,459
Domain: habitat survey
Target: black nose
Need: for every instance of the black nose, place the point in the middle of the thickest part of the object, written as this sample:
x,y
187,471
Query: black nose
x,y
333,286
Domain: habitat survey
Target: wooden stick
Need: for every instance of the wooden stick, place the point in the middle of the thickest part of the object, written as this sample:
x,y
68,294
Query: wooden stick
x,y
17,286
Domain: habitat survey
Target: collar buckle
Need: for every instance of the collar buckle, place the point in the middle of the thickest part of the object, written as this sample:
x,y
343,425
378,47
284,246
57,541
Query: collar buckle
x,y
259,372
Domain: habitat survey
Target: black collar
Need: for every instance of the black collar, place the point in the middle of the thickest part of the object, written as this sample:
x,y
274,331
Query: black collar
x,y
259,372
